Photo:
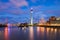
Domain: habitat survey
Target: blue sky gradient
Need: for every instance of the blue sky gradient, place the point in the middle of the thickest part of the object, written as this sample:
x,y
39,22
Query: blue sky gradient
x,y
19,10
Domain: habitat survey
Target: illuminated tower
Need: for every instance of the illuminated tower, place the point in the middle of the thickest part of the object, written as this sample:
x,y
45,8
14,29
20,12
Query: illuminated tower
x,y
31,17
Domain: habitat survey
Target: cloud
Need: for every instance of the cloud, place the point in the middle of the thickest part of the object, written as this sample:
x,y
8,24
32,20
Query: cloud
x,y
5,5
19,3
13,6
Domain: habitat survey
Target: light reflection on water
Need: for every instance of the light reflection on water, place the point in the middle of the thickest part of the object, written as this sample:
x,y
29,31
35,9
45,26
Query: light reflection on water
x,y
6,33
29,33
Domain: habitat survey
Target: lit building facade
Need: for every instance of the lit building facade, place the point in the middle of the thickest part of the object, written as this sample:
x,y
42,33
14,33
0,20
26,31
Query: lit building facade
x,y
54,20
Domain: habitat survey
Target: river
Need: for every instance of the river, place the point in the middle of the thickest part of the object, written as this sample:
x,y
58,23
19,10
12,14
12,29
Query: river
x,y
29,33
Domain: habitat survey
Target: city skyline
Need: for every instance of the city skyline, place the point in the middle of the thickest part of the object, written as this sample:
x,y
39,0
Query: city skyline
x,y
19,10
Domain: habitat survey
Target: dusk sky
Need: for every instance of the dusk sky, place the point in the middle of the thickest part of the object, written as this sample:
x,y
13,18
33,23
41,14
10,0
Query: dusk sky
x,y
19,10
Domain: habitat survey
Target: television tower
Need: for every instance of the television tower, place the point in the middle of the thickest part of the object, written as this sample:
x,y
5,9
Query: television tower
x,y
31,17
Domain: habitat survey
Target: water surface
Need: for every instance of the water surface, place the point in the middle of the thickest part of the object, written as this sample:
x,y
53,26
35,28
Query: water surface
x,y
29,33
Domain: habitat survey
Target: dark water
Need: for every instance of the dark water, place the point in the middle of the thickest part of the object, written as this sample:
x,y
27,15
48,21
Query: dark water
x,y
29,33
